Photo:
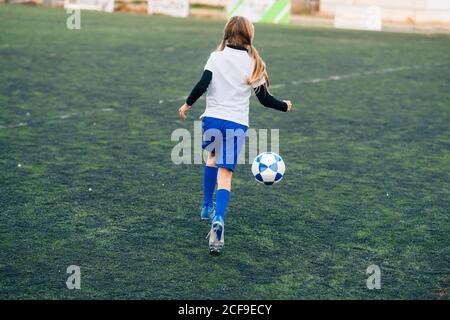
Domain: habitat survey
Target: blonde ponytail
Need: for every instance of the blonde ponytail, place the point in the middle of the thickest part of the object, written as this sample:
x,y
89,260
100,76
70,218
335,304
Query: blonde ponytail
x,y
240,31
222,45
259,70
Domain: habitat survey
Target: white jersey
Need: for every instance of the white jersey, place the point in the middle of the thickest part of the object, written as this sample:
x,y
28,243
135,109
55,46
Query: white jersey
x,y
228,95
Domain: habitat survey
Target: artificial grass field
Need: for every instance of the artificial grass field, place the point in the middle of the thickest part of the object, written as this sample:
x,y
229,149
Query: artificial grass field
x,y
88,115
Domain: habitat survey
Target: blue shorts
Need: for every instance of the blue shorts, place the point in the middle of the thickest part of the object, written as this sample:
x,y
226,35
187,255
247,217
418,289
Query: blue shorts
x,y
225,139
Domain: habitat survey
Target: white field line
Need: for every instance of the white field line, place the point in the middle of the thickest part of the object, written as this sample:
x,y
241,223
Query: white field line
x,y
364,73
61,117
274,86
340,77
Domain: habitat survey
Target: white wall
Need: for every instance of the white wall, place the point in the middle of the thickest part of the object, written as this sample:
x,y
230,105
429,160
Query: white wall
x,y
418,11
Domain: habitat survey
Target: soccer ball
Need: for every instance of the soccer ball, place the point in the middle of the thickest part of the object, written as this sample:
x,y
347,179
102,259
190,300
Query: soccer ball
x,y
268,168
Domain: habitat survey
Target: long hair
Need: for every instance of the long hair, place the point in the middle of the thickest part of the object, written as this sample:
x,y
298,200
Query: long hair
x,y
239,31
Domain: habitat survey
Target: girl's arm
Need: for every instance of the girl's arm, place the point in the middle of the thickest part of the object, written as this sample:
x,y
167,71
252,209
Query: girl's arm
x,y
199,88
196,93
269,101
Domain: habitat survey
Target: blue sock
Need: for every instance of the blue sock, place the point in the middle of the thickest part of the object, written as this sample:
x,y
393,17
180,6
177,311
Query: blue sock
x,y
222,198
209,184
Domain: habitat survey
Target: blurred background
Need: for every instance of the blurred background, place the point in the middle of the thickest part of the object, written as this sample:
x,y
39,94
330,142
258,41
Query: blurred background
x,y
87,115
395,15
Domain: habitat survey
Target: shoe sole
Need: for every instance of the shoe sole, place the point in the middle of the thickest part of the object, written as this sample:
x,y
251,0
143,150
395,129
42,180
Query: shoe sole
x,y
215,246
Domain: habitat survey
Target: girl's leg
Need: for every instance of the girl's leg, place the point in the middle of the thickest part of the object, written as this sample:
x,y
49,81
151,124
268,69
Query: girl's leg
x,y
211,161
209,181
224,179
223,191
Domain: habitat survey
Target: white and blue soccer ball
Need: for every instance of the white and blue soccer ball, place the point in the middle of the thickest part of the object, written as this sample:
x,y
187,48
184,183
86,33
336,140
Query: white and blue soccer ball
x,y
268,168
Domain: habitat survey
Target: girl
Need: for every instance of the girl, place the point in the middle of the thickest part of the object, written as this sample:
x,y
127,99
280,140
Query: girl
x,y
230,74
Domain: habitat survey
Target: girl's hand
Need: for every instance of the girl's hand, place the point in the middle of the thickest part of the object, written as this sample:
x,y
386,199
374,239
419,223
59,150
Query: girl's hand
x,y
182,111
289,104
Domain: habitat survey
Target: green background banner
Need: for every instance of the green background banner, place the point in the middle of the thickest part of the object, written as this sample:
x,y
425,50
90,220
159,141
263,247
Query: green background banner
x,y
268,11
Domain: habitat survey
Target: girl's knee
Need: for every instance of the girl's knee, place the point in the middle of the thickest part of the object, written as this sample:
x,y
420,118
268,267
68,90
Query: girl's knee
x,y
226,171
211,161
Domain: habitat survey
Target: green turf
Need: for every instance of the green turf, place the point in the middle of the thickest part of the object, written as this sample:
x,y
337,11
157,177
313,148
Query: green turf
x,y
367,158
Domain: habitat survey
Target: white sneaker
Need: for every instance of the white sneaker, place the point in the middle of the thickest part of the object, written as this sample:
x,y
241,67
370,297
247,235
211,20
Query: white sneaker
x,y
216,235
